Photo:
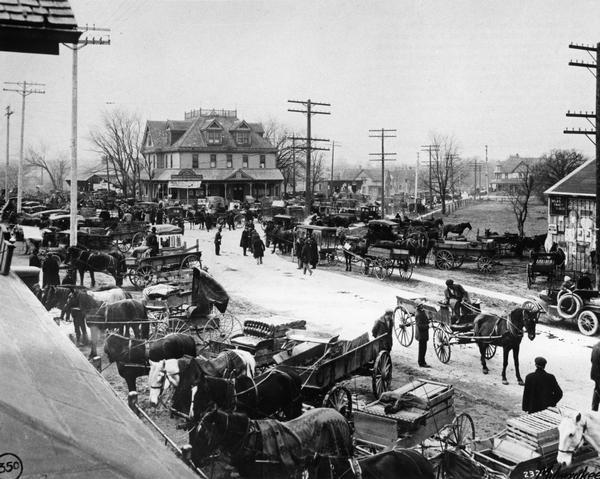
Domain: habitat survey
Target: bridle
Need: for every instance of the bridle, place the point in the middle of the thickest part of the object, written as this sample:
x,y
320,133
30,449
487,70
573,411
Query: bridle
x,y
572,451
164,375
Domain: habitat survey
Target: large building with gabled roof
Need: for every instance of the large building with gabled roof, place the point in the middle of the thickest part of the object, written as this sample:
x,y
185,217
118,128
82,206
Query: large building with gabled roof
x,y
209,153
572,216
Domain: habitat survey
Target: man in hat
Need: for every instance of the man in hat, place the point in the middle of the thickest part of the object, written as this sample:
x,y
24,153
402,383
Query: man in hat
x,y
458,293
218,238
541,389
567,284
422,333
384,325
152,242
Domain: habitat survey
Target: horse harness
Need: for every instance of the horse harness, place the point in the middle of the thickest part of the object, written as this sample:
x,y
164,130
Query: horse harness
x,y
572,451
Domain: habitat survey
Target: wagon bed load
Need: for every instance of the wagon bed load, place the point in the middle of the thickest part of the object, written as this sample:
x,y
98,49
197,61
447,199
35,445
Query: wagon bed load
x,y
432,407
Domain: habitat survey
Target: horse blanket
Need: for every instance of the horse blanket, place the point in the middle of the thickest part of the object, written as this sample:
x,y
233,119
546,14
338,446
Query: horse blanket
x,y
320,431
206,292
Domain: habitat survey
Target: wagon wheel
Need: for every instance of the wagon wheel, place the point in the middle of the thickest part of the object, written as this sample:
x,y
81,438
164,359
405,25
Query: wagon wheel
x,y
490,351
588,323
383,269
228,326
485,264
389,268
122,246
142,276
463,431
441,344
405,268
444,259
138,239
340,399
177,325
382,373
458,262
188,262
530,277
403,326
331,258
208,331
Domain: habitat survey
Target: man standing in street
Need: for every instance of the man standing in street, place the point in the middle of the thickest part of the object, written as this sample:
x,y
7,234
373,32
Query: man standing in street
x,y
384,325
422,333
245,239
595,376
152,242
218,237
541,389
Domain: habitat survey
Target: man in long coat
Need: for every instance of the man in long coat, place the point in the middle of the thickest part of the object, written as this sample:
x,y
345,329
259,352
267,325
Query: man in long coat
x,y
541,389
245,239
50,269
422,334
595,376
384,325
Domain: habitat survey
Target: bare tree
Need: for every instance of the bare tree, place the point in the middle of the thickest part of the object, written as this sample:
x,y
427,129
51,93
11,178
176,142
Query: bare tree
x,y
519,198
446,168
57,166
118,140
281,137
317,172
553,167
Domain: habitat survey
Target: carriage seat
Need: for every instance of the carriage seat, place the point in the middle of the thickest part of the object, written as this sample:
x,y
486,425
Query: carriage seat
x,y
255,335
461,327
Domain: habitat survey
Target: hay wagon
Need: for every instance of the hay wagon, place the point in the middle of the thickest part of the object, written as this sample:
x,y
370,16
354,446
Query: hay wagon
x,y
323,360
451,254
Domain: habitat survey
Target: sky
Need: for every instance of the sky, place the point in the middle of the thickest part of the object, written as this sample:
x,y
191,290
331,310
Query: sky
x,y
485,73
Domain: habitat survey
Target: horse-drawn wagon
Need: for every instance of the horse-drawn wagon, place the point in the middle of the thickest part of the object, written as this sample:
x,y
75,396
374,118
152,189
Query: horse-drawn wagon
x,y
322,360
124,237
328,241
383,260
451,254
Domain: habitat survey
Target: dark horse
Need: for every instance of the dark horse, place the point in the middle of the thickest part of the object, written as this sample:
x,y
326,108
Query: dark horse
x,y
259,397
130,356
319,441
386,465
92,261
505,332
457,229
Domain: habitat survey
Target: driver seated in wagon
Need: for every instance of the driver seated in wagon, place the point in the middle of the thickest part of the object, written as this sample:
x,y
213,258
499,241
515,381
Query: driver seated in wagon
x,y
458,293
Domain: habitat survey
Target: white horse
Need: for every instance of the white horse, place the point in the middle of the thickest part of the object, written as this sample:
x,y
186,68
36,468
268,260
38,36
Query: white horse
x,y
165,374
573,430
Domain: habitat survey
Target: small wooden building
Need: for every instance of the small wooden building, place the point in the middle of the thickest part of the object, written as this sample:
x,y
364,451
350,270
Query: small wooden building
x,y
572,216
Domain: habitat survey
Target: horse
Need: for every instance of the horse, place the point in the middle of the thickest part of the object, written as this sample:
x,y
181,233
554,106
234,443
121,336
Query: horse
x,y
57,297
130,356
92,261
235,362
273,392
505,332
319,441
386,465
282,239
457,229
573,430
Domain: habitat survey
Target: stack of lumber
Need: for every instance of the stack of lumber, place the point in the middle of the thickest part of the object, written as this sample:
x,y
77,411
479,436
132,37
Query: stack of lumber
x,y
409,426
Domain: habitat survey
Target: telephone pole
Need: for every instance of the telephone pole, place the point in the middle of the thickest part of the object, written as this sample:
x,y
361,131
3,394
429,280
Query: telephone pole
x,y
487,173
8,113
25,89
430,149
102,40
476,168
416,181
383,134
593,118
333,143
309,112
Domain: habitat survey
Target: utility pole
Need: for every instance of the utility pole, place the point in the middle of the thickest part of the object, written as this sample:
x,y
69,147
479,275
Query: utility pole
x,y
487,173
294,164
333,143
383,134
476,168
102,40
430,149
24,90
594,134
8,113
416,181
309,112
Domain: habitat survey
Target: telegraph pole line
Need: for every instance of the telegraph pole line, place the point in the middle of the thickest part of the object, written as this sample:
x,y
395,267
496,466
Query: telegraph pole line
x,y
83,42
430,149
25,89
309,112
333,143
8,113
593,118
383,134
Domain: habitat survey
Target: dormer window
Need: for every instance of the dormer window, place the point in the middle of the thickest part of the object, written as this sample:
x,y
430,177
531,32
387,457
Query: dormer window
x,y
242,137
214,137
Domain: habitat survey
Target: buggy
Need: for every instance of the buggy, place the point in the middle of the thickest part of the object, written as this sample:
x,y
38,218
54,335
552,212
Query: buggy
x,y
550,265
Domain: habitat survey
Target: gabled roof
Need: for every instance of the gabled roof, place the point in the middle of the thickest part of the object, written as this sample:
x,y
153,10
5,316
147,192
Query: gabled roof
x,y
240,125
513,162
580,182
36,26
221,174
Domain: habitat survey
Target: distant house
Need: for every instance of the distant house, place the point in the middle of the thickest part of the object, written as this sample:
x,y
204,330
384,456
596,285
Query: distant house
x,y
209,153
509,173
572,216
88,183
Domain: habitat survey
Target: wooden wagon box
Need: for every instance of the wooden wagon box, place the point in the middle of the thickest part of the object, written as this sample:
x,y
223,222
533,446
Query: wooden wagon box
x,y
410,426
378,252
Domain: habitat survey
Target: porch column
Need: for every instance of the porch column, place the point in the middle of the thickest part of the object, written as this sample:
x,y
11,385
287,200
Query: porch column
x,y
266,188
251,194
225,191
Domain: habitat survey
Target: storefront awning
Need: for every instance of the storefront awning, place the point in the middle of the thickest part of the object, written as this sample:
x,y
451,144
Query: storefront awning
x,y
185,184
